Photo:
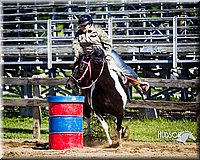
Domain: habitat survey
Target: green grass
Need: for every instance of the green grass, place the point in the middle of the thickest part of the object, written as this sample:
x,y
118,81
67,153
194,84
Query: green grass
x,y
18,127
148,130
140,130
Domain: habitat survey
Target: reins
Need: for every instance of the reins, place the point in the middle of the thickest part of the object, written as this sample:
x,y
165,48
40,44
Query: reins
x,y
89,68
96,78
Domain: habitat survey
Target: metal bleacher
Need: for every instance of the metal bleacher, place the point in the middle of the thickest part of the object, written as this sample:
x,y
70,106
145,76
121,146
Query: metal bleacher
x,y
143,33
158,39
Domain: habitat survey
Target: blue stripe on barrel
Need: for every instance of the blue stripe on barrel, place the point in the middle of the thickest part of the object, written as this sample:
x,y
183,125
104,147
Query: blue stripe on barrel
x,y
65,124
65,99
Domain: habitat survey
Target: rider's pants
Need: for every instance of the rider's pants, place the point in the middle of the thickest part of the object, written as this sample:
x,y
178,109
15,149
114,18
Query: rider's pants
x,y
127,70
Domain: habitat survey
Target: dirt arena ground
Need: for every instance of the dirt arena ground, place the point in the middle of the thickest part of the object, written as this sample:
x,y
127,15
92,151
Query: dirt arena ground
x,y
28,149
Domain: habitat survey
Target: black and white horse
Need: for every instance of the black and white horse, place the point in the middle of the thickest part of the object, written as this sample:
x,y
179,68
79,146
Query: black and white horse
x,y
103,89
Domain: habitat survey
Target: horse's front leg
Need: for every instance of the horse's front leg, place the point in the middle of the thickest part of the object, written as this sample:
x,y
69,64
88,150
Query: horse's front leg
x,y
105,127
89,126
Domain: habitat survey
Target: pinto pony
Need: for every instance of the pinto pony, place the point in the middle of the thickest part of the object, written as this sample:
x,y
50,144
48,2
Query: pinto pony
x,y
103,89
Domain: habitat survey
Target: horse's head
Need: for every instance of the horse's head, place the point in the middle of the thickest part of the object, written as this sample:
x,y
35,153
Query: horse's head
x,y
87,68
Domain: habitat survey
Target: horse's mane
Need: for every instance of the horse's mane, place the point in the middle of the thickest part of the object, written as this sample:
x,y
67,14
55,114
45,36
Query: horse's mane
x,y
97,55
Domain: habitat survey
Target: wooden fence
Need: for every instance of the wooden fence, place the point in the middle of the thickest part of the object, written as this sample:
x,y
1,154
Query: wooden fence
x,y
37,102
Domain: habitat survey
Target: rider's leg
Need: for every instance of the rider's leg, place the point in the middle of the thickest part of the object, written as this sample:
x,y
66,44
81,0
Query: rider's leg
x,y
122,65
131,75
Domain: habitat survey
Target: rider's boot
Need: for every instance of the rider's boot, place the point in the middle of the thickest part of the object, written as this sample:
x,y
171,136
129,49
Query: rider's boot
x,y
144,86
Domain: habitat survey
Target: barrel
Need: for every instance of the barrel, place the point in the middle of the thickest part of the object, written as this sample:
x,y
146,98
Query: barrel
x,y
65,122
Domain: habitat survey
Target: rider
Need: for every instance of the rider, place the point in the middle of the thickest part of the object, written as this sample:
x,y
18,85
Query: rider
x,y
88,36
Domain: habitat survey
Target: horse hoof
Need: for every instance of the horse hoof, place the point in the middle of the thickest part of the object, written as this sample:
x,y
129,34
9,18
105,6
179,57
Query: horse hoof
x,y
115,145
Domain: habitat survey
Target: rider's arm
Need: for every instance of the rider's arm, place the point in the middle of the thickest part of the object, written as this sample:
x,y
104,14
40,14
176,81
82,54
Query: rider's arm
x,y
76,47
105,40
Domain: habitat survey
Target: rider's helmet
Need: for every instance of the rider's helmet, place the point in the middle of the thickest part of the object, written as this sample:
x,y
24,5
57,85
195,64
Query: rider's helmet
x,y
84,20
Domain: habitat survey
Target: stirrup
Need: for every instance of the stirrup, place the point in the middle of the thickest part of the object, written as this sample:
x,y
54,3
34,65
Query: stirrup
x,y
143,86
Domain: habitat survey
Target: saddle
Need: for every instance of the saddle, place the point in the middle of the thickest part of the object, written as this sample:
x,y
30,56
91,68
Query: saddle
x,y
131,81
127,80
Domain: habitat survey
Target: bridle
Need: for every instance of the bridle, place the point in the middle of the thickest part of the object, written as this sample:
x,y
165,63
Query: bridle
x,y
88,68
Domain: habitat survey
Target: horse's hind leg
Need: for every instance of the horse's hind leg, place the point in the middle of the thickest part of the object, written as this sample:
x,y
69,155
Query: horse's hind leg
x,y
105,127
119,129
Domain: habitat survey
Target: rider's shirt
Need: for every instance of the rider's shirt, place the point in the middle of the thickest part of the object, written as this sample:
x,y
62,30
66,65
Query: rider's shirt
x,y
83,42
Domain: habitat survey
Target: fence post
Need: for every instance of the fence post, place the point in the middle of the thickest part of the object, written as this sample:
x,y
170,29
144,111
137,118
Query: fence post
x,y
26,111
150,113
36,112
